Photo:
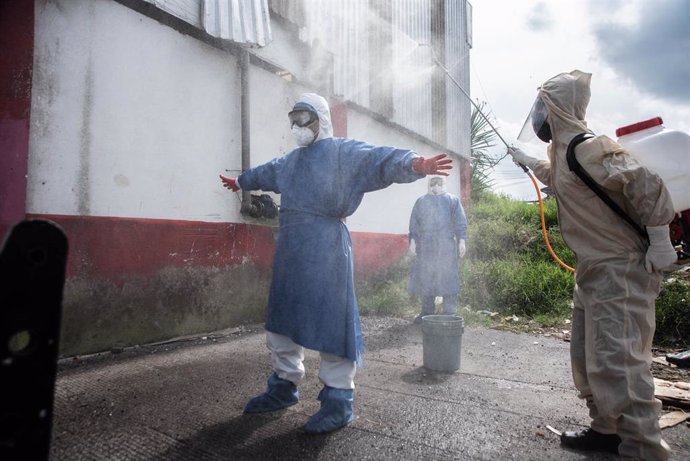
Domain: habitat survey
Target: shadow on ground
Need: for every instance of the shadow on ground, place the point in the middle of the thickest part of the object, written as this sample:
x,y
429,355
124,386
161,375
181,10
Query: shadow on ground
x,y
243,437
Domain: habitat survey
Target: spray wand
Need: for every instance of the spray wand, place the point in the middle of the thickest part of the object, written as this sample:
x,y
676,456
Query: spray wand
x,y
524,168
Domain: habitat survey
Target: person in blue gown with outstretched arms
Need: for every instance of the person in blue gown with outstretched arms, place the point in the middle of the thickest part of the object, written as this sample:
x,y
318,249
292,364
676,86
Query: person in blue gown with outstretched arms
x,y
312,300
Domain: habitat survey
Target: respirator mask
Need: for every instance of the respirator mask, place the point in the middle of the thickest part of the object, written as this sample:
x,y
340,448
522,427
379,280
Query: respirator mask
x,y
304,121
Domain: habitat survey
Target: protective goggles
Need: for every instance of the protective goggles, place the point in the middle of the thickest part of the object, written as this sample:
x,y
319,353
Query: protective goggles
x,y
302,117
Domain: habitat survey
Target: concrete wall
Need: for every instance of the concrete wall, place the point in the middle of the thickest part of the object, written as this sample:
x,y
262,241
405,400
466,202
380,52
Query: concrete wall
x,y
132,120
132,123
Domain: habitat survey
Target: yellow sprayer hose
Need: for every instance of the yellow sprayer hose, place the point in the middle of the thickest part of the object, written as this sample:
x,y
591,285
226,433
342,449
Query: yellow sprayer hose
x,y
543,227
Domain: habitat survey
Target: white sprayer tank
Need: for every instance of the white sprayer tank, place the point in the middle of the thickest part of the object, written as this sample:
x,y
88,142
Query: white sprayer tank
x,y
664,151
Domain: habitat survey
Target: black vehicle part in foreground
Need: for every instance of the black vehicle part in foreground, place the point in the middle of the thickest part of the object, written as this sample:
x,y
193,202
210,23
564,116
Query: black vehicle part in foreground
x,y
32,277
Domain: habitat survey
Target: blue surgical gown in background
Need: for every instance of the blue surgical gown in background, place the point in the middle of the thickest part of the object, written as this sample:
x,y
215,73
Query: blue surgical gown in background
x,y
312,297
437,223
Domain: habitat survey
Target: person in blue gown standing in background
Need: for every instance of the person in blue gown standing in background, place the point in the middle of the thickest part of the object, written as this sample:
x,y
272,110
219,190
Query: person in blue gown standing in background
x,y
438,230
312,300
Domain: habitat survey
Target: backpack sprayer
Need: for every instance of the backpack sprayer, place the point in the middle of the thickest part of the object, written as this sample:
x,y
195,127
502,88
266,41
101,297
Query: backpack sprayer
x,y
524,168
644,140
666,152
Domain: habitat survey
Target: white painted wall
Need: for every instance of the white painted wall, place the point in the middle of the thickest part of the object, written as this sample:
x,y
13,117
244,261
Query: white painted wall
x,y
131,118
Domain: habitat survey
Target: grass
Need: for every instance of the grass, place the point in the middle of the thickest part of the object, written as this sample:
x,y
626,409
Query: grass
x,y
517,286
386,293
509,269
508,273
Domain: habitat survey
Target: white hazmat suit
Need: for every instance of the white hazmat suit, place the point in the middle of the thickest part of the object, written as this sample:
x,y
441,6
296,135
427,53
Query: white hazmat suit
x,y
614,312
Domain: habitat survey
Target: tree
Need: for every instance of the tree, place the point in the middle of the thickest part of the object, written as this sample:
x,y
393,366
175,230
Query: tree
x,y
482,138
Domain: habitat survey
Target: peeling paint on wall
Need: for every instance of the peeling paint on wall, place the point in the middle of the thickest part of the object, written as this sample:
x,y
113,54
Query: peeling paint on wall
x,y
84,173
45,88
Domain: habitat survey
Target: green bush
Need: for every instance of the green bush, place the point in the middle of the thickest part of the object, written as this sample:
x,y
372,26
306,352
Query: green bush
x,y
672,309
509,269
499,226
385,293
493,207
517,285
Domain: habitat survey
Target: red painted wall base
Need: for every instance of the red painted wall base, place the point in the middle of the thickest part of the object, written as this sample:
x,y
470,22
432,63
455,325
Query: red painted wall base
x,y
115,248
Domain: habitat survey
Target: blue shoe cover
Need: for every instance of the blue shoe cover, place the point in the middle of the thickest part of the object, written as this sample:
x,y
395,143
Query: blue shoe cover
x,y
280,394
335,412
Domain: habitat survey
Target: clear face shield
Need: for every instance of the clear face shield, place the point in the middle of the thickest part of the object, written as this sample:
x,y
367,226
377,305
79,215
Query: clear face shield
x,y
536,124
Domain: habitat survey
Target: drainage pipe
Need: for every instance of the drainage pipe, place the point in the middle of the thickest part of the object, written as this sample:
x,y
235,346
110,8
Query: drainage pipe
x,y
247,206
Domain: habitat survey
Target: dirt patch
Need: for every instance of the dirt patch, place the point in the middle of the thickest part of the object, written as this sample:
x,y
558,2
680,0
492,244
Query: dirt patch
x,y
664,370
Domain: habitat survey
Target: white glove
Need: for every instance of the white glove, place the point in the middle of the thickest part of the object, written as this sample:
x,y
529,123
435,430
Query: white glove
x,y
461,248
413,247
660,254
520,158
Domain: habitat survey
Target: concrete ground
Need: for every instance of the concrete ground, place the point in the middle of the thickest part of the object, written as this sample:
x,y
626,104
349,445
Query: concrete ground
x,y
183,401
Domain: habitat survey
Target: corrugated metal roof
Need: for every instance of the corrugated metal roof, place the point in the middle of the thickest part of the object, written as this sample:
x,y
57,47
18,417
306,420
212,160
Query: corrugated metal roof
x,y
187,10
412,65
341,28
458,44
292,10
375,52
242,21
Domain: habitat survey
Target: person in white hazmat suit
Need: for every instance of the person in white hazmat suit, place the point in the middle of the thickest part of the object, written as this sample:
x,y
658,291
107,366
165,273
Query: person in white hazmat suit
x,y
618,271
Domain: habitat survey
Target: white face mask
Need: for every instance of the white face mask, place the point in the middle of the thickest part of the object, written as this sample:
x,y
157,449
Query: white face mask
x,y
303,135
438,190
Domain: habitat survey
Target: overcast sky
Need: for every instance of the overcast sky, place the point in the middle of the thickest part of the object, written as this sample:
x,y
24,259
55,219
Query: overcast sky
x,y
638,52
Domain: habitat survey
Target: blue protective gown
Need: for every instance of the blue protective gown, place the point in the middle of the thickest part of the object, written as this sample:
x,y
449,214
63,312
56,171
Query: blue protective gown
x,y
437,223
312,297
